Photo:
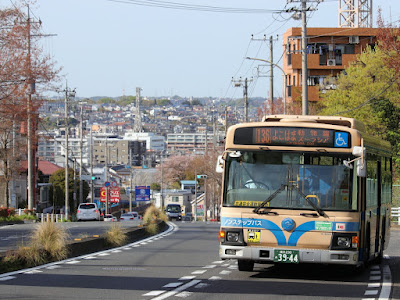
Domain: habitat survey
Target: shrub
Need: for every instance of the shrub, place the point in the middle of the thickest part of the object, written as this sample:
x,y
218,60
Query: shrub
x,y
151,218
116,236
51,238
6,212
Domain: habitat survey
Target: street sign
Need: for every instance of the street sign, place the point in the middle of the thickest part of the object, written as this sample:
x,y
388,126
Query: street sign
x,y
107,184
142,193
114,195
114,184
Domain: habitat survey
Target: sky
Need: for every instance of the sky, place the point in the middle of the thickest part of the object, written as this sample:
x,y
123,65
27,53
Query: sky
x,y
108,48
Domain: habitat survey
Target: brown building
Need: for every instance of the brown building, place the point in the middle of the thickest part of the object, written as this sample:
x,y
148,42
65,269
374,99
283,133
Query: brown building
x,y
329,52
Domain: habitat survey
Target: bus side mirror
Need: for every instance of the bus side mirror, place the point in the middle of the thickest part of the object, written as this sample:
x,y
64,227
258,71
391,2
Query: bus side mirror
x,y
220,165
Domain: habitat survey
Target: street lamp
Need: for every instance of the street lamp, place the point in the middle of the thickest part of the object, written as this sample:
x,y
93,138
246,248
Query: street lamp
x,y
284,75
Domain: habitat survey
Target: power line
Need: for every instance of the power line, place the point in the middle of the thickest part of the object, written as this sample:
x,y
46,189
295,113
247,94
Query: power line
x,y
195,7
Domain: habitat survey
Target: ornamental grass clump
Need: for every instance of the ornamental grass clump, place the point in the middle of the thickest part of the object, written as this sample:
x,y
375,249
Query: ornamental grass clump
x,y
116,236
152,217
52,238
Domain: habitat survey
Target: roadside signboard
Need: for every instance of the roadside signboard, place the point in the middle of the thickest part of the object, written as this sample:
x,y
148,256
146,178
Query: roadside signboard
x,y
114,195
142,193
200,210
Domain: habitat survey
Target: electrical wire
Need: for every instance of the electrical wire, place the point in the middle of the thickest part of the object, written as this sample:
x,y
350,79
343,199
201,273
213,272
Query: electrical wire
x,y
196,7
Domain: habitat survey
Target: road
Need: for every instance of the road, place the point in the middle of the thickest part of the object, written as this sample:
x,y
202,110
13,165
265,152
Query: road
x,y
12,236
183,263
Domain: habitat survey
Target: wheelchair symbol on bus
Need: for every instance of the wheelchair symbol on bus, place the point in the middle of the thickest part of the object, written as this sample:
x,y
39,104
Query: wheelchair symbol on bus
x,y
341,139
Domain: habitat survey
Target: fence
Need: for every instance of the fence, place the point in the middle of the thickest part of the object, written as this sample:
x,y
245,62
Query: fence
x,y
50,217
396,214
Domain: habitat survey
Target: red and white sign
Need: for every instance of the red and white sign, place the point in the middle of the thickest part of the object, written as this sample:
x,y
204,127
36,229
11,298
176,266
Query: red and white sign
x,y
114,195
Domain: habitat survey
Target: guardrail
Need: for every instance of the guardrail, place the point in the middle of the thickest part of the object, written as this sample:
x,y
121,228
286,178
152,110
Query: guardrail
x,y
396,214
50,217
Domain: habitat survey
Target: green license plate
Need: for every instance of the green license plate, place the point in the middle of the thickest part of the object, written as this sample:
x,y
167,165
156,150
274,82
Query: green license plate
x,y
286,256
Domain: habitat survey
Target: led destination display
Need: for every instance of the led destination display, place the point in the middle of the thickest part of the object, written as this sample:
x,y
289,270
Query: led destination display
x,y
291,136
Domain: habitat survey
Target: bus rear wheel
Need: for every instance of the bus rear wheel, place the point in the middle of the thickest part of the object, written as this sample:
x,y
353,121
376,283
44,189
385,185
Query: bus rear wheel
x,y
245,265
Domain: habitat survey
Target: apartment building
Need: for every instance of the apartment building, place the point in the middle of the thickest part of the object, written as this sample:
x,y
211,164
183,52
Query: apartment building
x,y
329,52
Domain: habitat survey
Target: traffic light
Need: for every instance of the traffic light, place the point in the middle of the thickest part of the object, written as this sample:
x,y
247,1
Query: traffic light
x,y
93,177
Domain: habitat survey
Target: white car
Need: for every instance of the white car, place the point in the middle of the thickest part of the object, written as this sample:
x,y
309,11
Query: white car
x,y
110,218
88,211
130,216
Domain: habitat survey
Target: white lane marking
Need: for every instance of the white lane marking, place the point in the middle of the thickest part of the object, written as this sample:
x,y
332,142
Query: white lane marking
x,y
209,267
386,284
71,262
154,293
187,278
33,272
215,278
7,278
201,285
224,272
53,267
177,290
127,248
144,243
375,268
234,267
173,284
184,294
198,272
89,257
226,265
371,292
377,278
375,272
374,285
116,251
218,262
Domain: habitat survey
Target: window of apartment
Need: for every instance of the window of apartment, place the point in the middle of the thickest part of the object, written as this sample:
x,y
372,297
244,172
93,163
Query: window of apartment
x,y
174,199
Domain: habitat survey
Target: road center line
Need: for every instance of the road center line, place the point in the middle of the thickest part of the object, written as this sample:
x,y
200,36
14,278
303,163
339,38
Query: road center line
x,y
177,290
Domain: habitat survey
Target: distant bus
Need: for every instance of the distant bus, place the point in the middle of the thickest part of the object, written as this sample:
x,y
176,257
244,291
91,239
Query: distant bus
x,y
304,189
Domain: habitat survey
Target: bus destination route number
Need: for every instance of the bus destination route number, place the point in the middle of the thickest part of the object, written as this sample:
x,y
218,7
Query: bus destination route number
x,y
293,136
286,256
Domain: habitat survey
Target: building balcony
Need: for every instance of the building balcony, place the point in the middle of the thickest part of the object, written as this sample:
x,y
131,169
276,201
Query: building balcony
x,y
321,62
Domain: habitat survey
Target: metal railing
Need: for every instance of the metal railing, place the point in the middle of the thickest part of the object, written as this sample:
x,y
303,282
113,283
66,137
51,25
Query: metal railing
x,y
50,217
396,214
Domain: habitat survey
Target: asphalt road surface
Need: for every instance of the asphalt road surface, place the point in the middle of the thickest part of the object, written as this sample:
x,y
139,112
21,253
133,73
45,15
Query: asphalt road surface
x,y
183,263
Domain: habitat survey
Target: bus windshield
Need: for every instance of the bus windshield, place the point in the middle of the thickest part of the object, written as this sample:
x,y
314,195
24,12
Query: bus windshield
x,y
254,176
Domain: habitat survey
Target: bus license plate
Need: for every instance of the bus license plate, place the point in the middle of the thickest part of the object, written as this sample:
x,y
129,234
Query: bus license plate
x,y
286,256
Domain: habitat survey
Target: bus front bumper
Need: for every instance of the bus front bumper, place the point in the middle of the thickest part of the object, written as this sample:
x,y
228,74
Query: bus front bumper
x,y
266,255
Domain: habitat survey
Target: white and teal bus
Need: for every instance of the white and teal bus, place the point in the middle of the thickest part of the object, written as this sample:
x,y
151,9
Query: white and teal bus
x,y
304,189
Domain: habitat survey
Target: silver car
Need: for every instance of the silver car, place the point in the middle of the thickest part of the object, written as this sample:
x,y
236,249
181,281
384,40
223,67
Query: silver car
x,y
88,211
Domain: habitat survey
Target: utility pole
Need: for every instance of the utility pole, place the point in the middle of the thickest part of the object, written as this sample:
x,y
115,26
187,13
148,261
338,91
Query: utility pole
x,y
304,71
81,157
68,93
91,167
130,180
239,83
106,174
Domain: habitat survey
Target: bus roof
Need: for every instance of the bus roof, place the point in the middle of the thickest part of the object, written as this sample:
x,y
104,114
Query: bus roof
x,y
331,120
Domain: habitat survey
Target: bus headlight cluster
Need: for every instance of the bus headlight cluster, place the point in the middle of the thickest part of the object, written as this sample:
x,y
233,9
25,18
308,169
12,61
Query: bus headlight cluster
x,y
344,241
231,236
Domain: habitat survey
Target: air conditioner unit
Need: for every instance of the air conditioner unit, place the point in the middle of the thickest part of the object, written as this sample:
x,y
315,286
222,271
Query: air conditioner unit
x,y
354,39
331,62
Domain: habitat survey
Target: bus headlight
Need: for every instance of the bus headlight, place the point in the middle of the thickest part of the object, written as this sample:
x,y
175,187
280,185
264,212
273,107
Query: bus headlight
x,y
232,237
344,241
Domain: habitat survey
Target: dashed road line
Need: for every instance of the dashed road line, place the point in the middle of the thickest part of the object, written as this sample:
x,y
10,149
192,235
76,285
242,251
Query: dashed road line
x,y
173,284
177,290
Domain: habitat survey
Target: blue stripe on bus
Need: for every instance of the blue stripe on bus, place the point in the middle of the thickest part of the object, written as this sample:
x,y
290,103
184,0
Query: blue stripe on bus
x,y
278,232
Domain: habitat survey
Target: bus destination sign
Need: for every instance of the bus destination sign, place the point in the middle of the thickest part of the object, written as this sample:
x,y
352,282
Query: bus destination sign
x,y
291,136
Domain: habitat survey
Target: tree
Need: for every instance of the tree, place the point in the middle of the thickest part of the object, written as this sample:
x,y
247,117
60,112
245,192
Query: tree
x,y
368,90
25,72
57,190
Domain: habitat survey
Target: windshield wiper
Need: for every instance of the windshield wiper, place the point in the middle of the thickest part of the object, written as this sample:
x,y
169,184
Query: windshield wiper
x,y
281,188
292,187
